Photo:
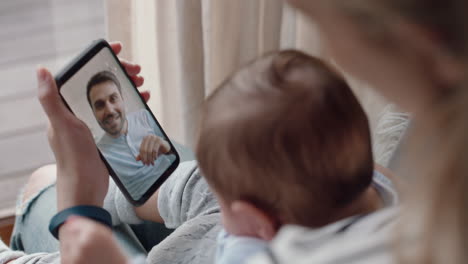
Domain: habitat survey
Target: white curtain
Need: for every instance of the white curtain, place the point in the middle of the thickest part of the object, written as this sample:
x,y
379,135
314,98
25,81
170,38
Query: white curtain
x,y
187,47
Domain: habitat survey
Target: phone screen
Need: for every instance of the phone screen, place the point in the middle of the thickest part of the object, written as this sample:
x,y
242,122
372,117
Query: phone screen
x,y
125,131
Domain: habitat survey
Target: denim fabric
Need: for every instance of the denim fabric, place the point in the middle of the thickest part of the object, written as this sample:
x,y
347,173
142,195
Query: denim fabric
x,y
31,233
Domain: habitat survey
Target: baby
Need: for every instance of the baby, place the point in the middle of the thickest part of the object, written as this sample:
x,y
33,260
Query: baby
x,y
285,141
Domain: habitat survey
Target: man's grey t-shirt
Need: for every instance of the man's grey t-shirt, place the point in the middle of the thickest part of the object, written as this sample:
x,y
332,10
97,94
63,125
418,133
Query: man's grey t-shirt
x,y
121,153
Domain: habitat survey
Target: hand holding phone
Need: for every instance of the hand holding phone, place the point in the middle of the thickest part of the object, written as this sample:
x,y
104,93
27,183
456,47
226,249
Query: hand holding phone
x,y
136,151
76,184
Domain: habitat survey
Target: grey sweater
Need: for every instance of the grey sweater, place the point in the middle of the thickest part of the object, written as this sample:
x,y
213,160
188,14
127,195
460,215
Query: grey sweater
x,y
186,203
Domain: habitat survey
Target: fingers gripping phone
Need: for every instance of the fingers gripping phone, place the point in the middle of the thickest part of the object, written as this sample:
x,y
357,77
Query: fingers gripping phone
x,y
132,144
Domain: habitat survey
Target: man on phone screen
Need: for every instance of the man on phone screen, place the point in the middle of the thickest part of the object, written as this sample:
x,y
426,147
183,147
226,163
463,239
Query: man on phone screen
x,y
132,143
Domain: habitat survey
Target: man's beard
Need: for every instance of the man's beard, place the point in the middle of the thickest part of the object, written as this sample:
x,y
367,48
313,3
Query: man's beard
x,y
108,126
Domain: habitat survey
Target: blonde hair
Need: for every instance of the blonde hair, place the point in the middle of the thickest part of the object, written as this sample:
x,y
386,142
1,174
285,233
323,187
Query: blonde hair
x,y
433,228
287,134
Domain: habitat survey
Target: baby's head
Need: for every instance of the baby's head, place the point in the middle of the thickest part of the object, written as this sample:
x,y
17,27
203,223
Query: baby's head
x,y
284,141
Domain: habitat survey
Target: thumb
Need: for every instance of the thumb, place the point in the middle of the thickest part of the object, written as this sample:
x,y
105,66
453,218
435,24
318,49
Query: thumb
x,y
165,147
49,97
138,158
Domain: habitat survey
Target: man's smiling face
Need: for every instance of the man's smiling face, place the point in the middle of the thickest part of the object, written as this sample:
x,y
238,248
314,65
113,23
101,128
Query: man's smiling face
x,y
108,107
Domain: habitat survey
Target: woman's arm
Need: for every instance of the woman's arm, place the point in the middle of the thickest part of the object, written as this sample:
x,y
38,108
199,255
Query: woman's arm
x,y
149,211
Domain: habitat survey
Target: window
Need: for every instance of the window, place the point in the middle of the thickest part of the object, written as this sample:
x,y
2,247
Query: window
x,y
46,32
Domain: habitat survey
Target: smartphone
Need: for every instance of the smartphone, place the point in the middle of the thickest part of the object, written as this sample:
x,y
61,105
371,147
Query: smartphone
x,y
131,142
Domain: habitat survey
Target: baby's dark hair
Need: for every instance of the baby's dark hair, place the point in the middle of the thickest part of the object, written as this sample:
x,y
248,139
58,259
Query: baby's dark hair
x,y
287,134
101,77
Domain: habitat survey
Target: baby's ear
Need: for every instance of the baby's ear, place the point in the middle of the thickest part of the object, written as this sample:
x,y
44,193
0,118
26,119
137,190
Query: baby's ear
x,y
261,224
